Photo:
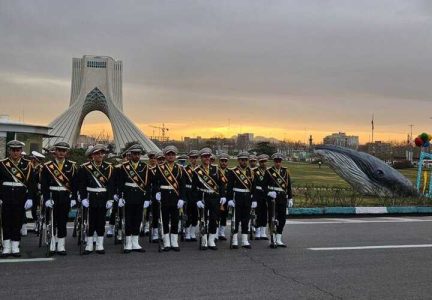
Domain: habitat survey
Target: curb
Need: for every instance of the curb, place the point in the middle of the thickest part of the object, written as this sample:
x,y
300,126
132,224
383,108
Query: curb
x,y
315,211
361,210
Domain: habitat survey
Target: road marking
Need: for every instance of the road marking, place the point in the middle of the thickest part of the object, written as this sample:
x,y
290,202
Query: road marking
x,y
356,221
24,260
371,247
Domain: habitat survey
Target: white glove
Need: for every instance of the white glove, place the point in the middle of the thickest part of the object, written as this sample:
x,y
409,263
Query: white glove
x,y
121,202
254,204
73,203
231,203
28,204
158,196
272,194
200,204
180,203
109,204
146,203
85,202
49,203
290,202
116,197
222,201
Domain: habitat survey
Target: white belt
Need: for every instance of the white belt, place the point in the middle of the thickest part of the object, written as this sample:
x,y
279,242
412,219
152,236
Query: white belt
x,y
131,184
11,183
277,189
189,186
258,188
207,191
58,188
241,190
96,190
166,187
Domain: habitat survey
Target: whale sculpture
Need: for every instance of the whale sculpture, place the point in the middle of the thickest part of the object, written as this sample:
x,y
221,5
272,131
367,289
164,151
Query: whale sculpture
x,y
366,174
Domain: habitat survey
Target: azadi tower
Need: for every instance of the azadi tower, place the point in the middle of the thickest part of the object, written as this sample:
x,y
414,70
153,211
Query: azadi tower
x,y
96,85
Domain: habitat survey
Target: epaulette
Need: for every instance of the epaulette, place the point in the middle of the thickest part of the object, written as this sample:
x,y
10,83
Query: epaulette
x,y
85,164
48,162
4,159
118,165
72,162
125,162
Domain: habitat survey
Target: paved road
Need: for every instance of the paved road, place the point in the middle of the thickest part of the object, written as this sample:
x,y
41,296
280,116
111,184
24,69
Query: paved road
x,y
317,264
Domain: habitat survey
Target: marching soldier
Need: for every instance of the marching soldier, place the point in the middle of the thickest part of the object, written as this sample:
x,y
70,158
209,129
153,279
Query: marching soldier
x,y
239,191
134,188
36,159
191,209
17,189
223,211
277,186
208,188
261,198
253,161
114,178
59,190
154,159
95,188
160,157
168,184
152,162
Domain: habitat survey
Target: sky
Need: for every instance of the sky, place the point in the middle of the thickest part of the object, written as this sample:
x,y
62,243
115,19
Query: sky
x,y
283,69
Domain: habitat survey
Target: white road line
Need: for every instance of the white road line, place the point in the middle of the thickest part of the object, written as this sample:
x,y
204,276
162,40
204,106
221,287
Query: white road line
x,y
371,247
25,260
355,221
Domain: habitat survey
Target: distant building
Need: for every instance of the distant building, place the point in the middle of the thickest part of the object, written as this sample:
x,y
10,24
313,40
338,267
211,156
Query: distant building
x,y
244,141
382,150
31,135
343,140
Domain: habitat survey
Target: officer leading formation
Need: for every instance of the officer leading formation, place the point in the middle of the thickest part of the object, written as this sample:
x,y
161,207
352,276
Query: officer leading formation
x,y
169,198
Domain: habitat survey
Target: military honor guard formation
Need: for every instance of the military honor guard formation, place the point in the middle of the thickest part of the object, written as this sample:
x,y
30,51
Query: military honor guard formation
x,y
170,198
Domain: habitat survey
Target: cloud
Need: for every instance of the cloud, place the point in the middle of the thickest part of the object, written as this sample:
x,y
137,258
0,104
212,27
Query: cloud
x,y
276,64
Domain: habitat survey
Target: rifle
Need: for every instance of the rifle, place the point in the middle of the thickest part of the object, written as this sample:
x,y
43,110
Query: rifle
x,y
1,226
118,224
183,220
233,221
252,224
143,222
160,229
122,228
49,231
273,224
202,223
40,221
76,221
84,229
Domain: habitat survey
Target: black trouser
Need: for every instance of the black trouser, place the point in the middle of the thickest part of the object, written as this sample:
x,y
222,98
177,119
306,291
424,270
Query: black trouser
x,y
133,217
113,213
261,210
242,211
155,213
134,198
97,212
12,220
212,206
280,210
97,220
223,214
170,214
191,210
61,211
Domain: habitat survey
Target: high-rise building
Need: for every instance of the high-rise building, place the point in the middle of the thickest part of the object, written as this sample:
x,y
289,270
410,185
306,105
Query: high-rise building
x,y
343,140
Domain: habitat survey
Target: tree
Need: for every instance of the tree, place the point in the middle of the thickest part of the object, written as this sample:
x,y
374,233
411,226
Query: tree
x,y
264,148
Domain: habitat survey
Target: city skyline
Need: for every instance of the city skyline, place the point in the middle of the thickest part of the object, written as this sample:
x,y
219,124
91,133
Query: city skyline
x,y
283,70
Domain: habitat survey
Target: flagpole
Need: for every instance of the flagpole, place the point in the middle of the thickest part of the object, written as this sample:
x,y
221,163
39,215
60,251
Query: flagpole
x,y
373,127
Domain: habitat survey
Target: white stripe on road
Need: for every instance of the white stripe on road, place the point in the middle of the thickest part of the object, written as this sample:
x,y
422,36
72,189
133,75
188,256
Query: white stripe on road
x,y
24,260
356,221
371,247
